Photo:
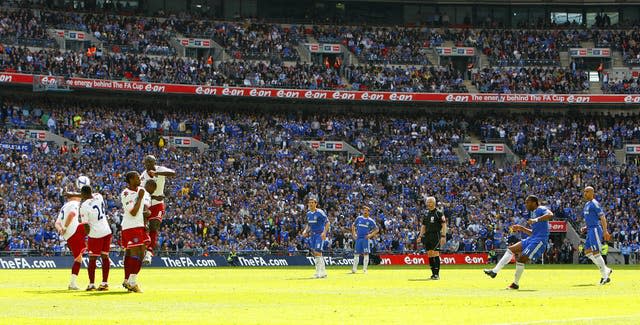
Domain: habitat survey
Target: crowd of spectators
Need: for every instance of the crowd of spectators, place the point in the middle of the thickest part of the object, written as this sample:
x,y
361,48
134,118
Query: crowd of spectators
x,y
382,45
391,58
22,27
127,34
560,139
531,80
119,66
272,173
247,40
302,76
628,85
522,47
406,79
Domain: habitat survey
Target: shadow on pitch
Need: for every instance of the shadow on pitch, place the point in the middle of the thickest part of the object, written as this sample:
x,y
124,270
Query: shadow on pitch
x,y
584,285
298,279
48,292
107,293
423,279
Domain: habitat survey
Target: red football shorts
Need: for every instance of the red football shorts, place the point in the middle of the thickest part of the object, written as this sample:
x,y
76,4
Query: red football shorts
x,y
76,243
157,212
135,237
98,246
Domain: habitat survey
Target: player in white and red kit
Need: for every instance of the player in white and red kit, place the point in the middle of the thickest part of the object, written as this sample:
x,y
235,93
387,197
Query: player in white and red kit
x,y
93,216
72,231
134,235
159,175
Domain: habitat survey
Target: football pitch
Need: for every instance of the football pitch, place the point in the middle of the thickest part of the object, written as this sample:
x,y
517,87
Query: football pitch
x,y
549,294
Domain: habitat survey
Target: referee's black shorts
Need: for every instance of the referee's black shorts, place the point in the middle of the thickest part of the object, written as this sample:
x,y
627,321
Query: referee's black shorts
x,y
431,241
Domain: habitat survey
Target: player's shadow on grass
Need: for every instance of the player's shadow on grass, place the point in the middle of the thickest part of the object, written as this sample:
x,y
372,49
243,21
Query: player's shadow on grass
x,y
109,293
423,279
584,285
297,279
48,292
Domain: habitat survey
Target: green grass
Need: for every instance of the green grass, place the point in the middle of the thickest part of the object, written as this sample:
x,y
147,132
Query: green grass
x,y
386,295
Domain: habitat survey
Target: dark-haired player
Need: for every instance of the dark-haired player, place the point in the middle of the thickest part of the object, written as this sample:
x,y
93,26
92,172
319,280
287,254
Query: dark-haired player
x,y
530,248
134,235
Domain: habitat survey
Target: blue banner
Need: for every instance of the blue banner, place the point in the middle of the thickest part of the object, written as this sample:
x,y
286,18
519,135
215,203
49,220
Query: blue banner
x,y
21,147
64,262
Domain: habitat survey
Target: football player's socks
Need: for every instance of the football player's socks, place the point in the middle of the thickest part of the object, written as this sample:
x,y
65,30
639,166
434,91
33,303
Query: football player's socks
x,y
506,258
127,267
75,269
105,269
318,258
519,271
601,265
323,270
91,268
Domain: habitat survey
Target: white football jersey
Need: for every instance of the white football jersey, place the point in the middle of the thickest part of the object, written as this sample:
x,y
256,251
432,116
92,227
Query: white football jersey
x,y
93,212
128,199
69,210
160,181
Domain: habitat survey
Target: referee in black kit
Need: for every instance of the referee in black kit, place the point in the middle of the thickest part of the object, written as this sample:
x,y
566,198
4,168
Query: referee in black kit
x,y
433,234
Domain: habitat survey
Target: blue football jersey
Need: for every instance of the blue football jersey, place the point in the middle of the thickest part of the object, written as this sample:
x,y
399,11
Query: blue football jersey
x,y
592,212
317,221
364,226
540,229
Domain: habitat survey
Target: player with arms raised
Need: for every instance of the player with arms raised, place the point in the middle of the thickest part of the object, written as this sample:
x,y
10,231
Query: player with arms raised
x,y
134,235
93,216
159,175
72,231
532,247
316,229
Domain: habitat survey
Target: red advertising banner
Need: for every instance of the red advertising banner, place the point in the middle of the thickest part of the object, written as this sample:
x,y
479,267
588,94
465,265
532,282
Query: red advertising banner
x,y
423,259
333,95
557,226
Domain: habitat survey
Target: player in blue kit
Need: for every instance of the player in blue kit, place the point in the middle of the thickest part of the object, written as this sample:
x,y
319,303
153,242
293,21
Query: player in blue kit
x,y
596,231
530,248
316,229
363,229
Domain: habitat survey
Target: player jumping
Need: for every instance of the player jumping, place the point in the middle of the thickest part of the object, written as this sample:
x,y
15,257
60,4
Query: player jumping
x,y
159,175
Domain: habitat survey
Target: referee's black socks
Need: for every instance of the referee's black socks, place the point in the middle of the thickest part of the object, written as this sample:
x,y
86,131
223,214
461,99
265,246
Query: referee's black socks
x,y
432,264
436,261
